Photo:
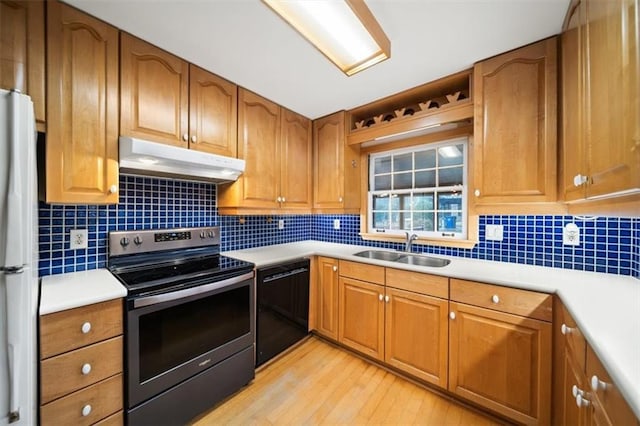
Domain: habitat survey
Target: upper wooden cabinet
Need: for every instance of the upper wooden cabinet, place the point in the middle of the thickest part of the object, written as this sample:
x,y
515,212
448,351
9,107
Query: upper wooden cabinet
x,y
514,150
276,145
336,183
82,108
165,99
601,97
22,54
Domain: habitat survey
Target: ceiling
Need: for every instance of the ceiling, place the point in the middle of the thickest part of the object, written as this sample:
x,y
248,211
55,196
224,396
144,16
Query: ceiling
x,y
245,42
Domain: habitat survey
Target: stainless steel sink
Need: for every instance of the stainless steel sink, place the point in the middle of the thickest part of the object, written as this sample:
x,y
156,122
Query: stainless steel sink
x,y
379,255
410,259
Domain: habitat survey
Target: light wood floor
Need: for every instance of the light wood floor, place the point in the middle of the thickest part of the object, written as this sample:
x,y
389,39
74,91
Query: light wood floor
x,y
317,383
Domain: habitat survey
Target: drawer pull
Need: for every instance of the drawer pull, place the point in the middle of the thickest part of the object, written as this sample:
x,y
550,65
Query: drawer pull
x,y
564,329
86,410
452,315
86,327
597,384
86,369
495,298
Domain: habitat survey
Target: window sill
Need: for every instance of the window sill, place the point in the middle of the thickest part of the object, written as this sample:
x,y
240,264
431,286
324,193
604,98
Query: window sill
x,y
440,242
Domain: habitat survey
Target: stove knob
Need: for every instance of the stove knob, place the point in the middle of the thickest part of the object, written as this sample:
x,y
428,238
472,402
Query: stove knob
x,y
202,234
137,240
212,234
124,241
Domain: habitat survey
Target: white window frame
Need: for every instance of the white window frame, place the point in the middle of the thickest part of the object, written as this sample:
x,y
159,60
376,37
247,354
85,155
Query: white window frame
x,y
462,235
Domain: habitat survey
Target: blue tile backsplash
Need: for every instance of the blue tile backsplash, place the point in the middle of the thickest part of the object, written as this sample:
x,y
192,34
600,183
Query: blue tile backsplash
x,y
610,245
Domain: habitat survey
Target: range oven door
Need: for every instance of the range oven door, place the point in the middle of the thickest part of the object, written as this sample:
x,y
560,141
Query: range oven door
x,y
173,336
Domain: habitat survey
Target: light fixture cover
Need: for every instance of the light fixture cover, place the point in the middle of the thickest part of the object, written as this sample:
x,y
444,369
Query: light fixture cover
x,y
345,31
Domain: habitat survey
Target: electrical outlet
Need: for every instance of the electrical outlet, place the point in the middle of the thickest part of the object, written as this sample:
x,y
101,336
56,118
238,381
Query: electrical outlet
x,y
78,239
281,224
336,223
494,232
571,235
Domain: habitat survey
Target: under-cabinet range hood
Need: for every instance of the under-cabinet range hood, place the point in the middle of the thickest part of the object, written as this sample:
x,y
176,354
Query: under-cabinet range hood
x,y
143,157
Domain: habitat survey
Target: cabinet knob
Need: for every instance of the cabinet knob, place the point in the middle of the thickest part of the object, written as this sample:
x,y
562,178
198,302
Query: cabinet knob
x,y
185,137
452,315
284,200
194,139
86,369
495,298
597,384
386,299
564,329
339,199
636,144
575,391
581,401
380,297
113,189
579,180
335,269
476,192
279,200
86,410
86,327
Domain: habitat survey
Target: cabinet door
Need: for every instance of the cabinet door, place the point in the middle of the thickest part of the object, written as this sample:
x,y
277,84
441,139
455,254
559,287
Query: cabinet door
x,y
501,361
327,303
22,51
154,93
566,376
361,317
416,335
213,113
573,133
295,174
82,108
259,132
612,114
514,152
328,147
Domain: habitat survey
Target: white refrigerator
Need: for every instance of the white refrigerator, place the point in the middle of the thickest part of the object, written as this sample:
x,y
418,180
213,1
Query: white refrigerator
x,y
18,260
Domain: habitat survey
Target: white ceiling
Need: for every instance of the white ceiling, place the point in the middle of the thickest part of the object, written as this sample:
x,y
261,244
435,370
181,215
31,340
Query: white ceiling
x,y
245,42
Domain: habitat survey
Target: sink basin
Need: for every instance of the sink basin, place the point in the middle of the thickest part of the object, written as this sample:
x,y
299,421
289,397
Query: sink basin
x,y
410,259
379,255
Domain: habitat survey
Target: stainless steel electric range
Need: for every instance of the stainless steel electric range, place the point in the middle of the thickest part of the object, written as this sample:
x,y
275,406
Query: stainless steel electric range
x,y
190,322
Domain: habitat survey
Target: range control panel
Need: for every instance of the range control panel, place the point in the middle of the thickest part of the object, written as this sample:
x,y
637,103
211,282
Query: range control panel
x,y
150,240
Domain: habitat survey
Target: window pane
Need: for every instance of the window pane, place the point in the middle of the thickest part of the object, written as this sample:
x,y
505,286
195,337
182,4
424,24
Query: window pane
x,y
395,202
450,155
426,179
402,162
423,201
449,201
405,220
382,165
450,222
423,221
426,159
382,183
395,221
450,177
402,181
380,202
381,220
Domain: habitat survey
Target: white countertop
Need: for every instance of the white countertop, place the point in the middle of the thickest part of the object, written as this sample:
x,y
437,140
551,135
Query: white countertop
x,y
605,307
75,289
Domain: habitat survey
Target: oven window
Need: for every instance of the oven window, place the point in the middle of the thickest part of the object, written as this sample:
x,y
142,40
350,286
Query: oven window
x,y
172,336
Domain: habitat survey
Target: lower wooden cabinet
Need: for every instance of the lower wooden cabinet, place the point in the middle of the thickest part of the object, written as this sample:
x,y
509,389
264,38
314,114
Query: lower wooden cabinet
x,y
327,298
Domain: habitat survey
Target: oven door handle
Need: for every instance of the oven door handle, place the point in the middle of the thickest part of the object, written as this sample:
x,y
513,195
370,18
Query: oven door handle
x,y
181,294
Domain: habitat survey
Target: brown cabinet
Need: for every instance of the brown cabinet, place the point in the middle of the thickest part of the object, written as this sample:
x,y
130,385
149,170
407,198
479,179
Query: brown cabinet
x,y
336,177
514,149
81,365
497,359
165,99
275,143
82,108
327,298
601,100
22,55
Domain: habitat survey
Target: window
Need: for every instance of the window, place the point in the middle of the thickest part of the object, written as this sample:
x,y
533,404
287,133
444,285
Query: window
x,y
421,190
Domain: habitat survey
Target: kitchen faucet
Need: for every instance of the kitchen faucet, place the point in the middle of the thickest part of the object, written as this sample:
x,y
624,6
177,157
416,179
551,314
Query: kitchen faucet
x,y
409,242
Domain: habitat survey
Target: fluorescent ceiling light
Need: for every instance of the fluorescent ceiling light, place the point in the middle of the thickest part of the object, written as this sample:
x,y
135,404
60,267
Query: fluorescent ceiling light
x,y
345,31
406,132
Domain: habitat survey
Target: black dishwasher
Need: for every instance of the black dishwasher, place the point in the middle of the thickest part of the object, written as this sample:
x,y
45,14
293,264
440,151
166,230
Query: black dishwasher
x,y
283,308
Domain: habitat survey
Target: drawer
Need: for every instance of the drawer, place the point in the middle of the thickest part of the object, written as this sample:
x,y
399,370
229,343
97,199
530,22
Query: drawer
x,y
104,399
63,374
430,285
116,419
572,336
362,271
505,299
609,405
67,330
